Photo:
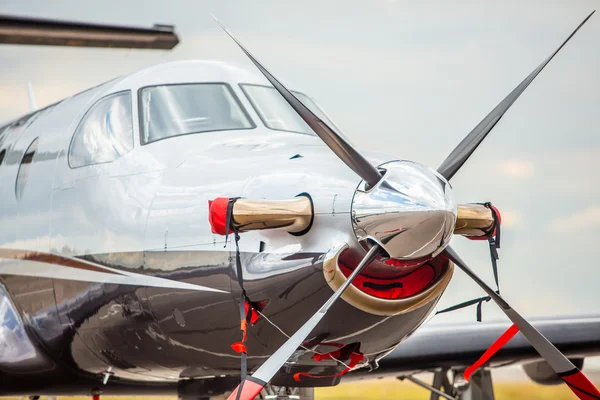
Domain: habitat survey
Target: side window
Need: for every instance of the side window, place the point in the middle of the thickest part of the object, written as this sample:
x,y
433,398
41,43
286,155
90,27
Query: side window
x,y
24,168
3,134
105,133
24,122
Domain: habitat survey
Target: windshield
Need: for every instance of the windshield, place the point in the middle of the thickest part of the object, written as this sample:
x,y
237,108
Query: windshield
x,y
173,110
277,114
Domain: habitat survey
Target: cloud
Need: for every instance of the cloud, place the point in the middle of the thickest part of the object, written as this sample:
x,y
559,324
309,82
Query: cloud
x,y
530,305
580,220
522,169
511,218
13,101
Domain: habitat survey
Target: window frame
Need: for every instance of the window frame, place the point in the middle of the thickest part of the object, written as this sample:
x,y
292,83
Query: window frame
x,y
3,135
256,109
115,94
21,164
228,87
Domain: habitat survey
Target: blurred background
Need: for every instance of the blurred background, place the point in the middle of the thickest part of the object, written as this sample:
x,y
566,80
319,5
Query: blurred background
x,y
409,78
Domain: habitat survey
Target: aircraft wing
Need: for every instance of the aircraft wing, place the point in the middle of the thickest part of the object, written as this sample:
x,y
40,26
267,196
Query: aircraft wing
x,y
35,31
460,345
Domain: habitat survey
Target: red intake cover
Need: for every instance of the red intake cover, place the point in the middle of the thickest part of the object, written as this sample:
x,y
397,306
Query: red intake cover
x,y
217,215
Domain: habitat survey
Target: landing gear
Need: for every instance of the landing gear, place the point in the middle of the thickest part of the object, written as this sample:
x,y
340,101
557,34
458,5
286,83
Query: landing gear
x,y
271,392
478,388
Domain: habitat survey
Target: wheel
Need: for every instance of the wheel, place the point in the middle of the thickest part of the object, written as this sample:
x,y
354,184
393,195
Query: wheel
x,y
271,392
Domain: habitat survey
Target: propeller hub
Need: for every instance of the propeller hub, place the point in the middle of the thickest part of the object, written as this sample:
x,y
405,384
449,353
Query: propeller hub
x,y
410,212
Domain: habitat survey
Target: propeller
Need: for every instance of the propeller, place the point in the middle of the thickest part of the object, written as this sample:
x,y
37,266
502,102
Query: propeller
x,y
252,385
332,139
573,377
467,146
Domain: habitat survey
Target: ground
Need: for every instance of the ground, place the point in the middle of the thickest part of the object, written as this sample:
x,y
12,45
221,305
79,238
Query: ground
x,y
393,389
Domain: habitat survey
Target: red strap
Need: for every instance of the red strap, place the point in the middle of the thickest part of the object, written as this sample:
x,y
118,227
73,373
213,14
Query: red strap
x,y
244,328
355,358
239,347
581,386
497,345
333,354
253,314
250,389
217,215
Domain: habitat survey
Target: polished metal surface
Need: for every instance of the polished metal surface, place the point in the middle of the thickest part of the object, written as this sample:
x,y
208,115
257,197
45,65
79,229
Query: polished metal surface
x,y
97,258
293,215
112,281
474,220
270,367
112,267
410,213
17,351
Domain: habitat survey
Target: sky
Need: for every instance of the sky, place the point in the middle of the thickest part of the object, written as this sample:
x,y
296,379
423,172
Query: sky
x,y
410,78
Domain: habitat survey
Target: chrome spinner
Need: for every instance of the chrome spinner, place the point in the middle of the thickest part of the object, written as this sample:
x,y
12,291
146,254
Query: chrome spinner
x,y
410,212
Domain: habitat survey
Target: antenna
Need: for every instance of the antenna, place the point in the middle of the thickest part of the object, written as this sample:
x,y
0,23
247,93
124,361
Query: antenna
x,y
31,97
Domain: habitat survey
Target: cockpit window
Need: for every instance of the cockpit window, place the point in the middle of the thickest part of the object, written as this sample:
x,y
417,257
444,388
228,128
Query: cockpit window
x,y
277,114
105,133
182,109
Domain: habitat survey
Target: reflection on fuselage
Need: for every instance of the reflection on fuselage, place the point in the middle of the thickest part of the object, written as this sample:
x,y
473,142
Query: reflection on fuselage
x,y
145,211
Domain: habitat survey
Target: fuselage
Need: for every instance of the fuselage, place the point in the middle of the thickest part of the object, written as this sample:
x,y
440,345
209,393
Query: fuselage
x,y
144,209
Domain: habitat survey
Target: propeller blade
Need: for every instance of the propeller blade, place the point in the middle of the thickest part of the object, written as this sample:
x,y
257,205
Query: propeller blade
x,y
332,139
463,151
573,377
251,386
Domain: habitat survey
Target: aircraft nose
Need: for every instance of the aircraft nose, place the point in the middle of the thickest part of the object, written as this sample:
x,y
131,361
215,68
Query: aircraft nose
x,y
411,212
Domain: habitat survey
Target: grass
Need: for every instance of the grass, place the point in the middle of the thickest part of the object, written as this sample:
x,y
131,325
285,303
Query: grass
x,y
393,389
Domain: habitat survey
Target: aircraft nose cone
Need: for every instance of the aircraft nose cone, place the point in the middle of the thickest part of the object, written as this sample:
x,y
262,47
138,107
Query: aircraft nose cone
x,y
410,213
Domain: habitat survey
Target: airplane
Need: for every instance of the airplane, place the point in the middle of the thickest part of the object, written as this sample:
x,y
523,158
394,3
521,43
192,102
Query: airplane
x,y
199,229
